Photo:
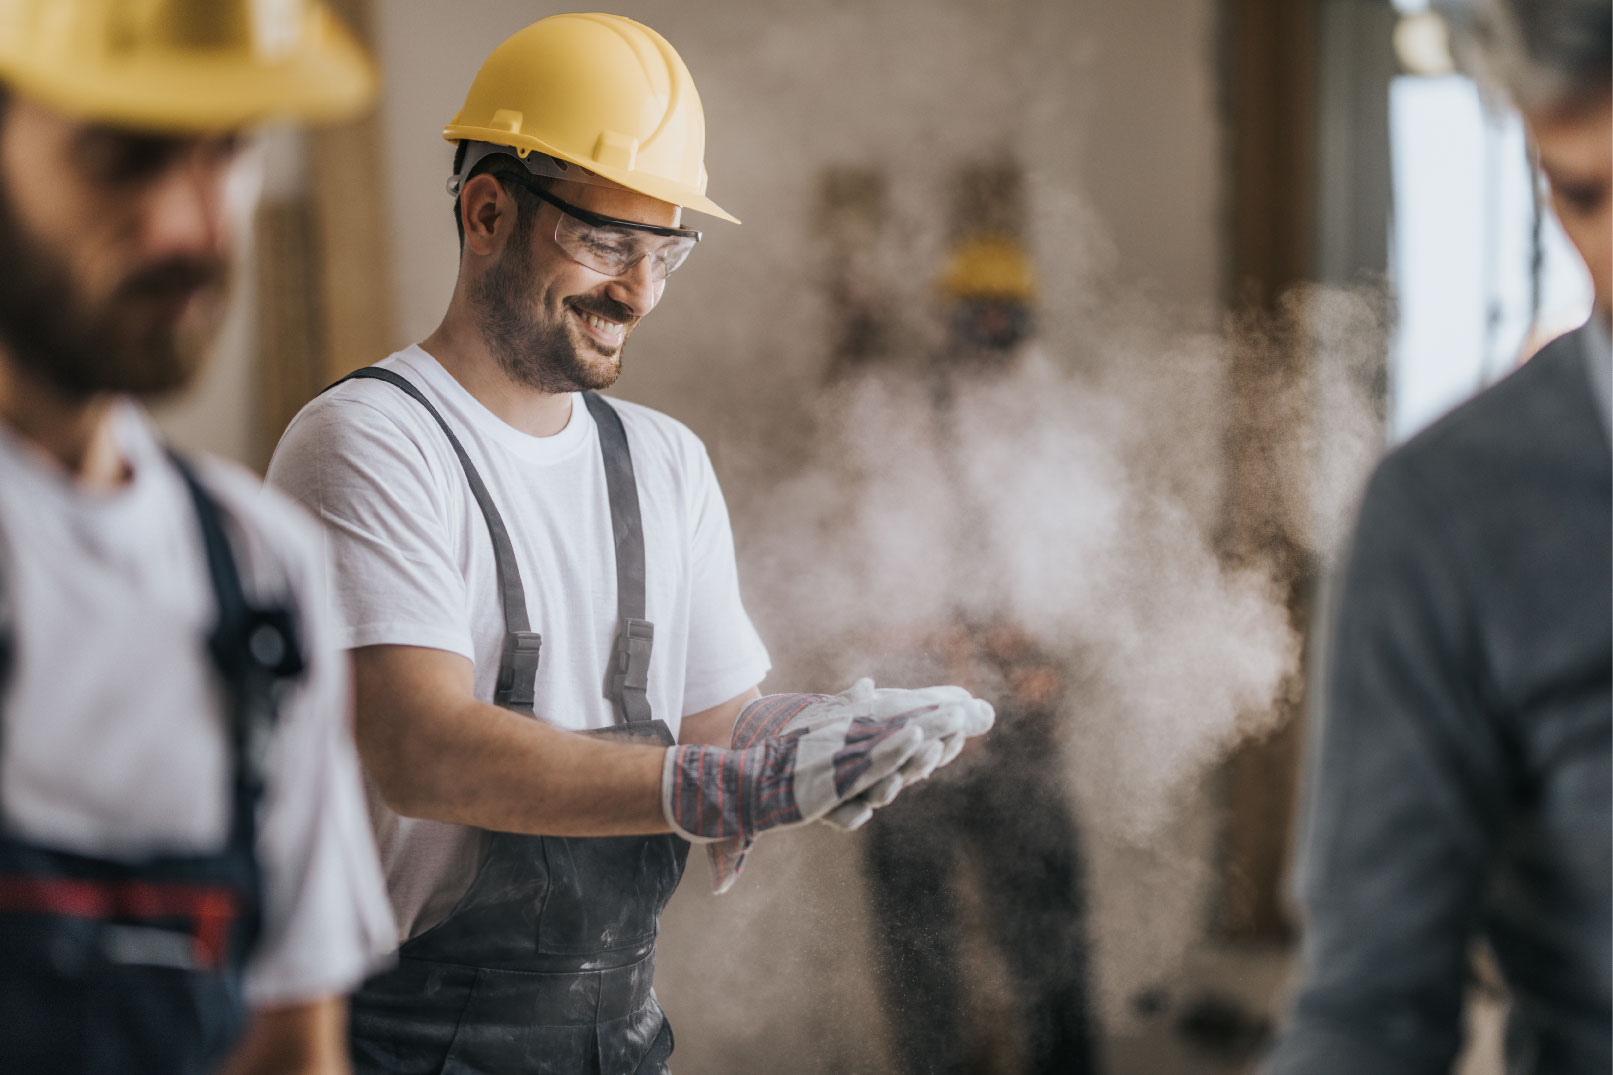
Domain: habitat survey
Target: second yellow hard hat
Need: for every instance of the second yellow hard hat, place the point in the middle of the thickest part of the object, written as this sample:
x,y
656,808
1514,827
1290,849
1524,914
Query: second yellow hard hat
x,y
988,267
184,64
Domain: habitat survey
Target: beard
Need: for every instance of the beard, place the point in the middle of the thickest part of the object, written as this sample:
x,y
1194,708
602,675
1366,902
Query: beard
x,y
533,351
130,342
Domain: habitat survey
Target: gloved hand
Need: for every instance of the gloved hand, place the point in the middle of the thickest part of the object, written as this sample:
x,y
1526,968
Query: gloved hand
x,y
783,713
798,757
856,812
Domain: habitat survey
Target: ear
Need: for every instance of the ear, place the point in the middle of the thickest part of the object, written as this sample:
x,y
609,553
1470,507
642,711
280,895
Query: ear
x,y
487,212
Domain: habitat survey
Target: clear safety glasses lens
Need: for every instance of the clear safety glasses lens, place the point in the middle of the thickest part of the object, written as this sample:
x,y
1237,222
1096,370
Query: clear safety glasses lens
x,y
613,251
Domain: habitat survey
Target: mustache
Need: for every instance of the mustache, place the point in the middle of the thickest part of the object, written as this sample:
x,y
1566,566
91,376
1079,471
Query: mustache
x,y
607,308
174,278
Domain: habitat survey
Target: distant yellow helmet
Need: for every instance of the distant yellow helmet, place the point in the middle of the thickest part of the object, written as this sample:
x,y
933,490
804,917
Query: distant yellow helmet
x,y
988,267
599,91
190,65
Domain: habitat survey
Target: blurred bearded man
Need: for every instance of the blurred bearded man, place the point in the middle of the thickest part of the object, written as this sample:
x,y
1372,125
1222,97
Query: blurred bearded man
x,y
86,312
186,881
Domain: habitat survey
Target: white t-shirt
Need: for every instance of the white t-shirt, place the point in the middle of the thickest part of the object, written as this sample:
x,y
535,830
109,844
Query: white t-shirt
x,y
115,721
412,565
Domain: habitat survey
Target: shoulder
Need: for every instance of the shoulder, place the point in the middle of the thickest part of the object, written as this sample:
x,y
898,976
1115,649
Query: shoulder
x,y
1467,495
1538,420
655,436
276,539
355,434
361,409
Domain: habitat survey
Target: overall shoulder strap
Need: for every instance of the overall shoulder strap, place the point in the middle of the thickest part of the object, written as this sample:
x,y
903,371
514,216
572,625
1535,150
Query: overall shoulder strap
x,y
628,682
518,661
254,648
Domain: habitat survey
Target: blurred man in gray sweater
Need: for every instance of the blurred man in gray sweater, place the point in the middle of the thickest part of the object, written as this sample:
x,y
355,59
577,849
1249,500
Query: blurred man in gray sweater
x,y
1460,785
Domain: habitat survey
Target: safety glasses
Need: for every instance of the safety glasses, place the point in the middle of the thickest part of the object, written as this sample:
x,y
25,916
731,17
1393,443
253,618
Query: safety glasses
x,y
613,246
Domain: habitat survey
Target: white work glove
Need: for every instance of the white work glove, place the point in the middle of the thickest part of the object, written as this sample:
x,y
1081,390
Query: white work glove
x,y
800,757
855,812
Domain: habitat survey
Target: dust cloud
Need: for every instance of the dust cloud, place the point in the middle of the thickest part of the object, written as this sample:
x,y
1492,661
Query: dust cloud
x,y
1081,499
1085,499
1084,496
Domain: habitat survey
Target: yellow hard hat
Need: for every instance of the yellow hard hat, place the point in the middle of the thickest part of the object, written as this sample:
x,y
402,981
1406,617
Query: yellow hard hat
x,y
989,267
599,91
192,65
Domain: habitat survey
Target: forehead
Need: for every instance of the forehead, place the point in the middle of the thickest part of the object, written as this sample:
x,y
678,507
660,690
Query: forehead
x,y
46,137
1576,138
612,199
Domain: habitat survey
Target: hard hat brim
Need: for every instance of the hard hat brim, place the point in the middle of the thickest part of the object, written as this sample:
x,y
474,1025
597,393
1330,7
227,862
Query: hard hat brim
x,y
329,80
654,186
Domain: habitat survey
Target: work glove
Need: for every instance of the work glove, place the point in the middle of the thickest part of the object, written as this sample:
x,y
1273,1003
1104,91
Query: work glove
x,y
796,758
854,813
938,749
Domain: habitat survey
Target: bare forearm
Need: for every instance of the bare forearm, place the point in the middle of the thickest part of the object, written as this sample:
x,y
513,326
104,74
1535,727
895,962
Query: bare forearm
x,y
296,1039
488,767
435,751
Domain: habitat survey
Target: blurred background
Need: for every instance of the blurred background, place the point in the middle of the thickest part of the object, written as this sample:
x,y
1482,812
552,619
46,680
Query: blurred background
x,y
1224,251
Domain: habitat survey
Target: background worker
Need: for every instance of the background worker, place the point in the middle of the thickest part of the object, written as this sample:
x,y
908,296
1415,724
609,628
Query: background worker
x,y
1028,860
505,543
1460,787
186,881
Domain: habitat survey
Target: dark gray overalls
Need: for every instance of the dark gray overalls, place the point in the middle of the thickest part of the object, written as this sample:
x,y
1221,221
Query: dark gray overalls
x,y
544,967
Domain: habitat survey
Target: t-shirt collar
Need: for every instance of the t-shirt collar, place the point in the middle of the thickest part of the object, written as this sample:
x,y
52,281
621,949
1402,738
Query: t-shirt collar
x,y
455,397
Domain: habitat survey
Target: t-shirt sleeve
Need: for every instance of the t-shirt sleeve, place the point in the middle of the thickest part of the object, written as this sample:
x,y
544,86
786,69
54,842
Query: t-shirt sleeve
x,y
391,570
725,655
1402,786
326,918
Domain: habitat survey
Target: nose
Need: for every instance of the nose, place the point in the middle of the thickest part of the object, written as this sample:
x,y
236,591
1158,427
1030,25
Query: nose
x,y
186,211
637,288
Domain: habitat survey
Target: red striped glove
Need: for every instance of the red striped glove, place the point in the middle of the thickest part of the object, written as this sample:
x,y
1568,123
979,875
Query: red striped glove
x,y
800,757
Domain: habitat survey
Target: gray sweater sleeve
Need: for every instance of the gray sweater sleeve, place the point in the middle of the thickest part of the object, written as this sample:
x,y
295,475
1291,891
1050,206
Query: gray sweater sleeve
x,y
1406,778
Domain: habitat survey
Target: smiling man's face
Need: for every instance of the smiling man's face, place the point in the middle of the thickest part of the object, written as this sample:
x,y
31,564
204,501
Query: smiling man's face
x,y
554,324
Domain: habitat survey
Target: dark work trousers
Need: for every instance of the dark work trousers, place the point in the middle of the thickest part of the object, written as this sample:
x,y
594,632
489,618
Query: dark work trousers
x,y
1006,807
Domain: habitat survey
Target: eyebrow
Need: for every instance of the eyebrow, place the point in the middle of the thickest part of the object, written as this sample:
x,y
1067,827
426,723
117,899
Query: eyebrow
x,y
600,220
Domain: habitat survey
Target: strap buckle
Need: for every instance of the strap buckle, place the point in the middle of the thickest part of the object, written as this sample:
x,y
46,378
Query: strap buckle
x,y
518,671
630,680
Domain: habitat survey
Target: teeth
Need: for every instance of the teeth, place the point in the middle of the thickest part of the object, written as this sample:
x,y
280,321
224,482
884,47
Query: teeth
x,y
609,328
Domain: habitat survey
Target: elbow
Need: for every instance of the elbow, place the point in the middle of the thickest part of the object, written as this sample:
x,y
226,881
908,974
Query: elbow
x,y
408,780
405,798
412,792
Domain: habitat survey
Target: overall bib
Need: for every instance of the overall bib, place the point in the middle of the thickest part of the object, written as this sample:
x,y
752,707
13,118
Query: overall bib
x,y
545,965
135,967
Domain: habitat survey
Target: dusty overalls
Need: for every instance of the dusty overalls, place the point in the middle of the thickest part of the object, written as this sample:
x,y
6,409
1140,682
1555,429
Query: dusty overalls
x,y
136,966
544,967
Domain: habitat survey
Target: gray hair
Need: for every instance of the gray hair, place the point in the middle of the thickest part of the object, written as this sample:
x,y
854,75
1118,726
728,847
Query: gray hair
x,y
1543,54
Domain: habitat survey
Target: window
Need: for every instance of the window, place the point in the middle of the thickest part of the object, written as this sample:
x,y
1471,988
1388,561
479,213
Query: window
x,y
1463,242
